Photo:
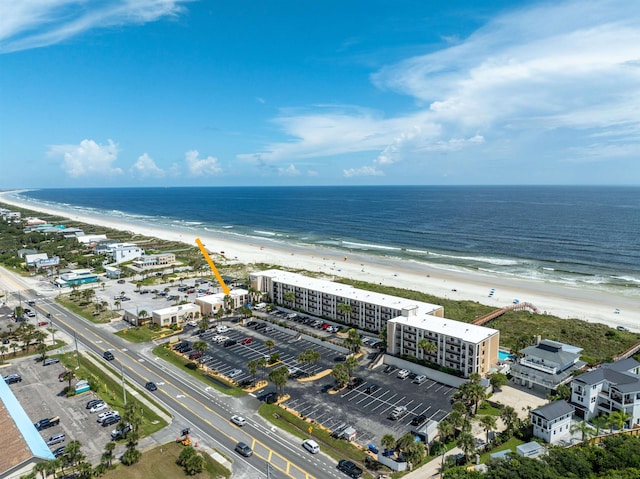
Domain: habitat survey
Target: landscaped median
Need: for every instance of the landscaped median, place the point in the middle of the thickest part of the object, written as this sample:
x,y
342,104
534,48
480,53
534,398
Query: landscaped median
x,y
146,333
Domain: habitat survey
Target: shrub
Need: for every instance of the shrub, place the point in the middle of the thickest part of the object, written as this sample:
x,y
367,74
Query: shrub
x,y
192,366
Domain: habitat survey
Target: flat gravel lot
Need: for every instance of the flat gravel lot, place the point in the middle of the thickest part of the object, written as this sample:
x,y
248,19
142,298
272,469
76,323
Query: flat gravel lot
x,y
41,395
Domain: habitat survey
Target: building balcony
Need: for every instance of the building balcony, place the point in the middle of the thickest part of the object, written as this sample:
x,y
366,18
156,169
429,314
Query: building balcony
x,y
538,366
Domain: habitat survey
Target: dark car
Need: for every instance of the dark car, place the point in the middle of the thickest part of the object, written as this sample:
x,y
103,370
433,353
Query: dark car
x,y
108,355
372,388
151,386
349,468
354,383
109,420
243,449
251,324
229,342
418,420
93,402
260,326
196,355
12,378
58,452
50,361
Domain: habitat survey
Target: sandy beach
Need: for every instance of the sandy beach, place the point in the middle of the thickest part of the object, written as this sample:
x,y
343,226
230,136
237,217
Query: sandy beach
x,y
582,303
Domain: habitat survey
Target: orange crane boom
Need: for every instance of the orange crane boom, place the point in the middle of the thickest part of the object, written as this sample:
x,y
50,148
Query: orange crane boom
x,y
225,288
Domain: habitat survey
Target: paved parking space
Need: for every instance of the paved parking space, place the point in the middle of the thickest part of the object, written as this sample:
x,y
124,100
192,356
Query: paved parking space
x,y
41,395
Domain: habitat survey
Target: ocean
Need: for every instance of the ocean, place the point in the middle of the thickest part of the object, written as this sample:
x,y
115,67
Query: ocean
x,y
569,235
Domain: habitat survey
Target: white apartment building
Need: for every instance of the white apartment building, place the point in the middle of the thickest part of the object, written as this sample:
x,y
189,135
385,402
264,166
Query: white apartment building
x,y
155,260
552,422
459,346
362,309
611,387
120,252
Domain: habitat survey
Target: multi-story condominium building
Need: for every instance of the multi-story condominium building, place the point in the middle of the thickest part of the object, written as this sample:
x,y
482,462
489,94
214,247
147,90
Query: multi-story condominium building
x,y
363,309
460,346
547,364
611,387
552,422
463,347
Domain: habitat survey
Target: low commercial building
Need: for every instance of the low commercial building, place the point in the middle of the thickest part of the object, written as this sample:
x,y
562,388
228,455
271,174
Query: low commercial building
x,y
547,364
611,387
112,272
211,303
362,309
462,347
22,445
175,314
75,278
552,422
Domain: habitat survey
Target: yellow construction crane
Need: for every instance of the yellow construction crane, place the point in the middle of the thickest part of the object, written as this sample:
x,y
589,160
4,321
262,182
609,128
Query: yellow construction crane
x,y
225,288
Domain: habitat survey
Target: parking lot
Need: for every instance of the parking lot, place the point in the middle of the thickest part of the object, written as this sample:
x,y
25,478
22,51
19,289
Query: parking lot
x,y
41,394
366,407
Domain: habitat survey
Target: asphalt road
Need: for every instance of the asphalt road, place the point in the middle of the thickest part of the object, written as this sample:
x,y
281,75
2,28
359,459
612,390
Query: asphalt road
x,y
194,404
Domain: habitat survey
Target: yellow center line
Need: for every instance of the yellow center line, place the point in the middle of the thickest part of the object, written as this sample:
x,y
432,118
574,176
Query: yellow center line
x,y
205,406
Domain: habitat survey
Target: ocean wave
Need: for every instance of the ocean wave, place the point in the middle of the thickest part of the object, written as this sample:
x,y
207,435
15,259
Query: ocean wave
x,y
628,279
480,259
265,233
228,227
370,246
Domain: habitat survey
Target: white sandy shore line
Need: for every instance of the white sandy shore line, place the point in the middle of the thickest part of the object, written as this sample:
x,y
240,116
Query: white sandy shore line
x,y
566,302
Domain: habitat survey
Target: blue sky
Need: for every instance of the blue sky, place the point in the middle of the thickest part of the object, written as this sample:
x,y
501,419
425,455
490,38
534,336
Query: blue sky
x,y
171,92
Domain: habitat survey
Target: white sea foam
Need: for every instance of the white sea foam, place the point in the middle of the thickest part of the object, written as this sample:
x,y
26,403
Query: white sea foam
x,y
265,233
370,246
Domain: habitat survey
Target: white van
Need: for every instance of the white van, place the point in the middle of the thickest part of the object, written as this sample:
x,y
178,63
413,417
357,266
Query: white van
x,y
311,446
403,373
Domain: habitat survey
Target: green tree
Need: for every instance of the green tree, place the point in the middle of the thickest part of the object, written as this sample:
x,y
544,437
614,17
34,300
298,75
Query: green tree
x,y
467,443
344,309
204,323
497,380
253,368
69,376
269,344
427,347
279,377
131,454
488,423
42,351
414,452
341,375
351,364
289,297
584,428
618,419
388,441
132,414
509,417
445,430
107,455
353,341
201,346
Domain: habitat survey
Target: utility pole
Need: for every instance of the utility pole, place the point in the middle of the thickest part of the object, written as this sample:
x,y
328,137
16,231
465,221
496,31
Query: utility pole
x,y
124,391
75,338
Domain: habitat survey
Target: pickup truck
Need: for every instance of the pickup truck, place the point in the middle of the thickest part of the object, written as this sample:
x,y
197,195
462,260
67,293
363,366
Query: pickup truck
x,y
47,423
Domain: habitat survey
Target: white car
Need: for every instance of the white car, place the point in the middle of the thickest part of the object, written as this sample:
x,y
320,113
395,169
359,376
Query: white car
x,y
101,406
220,339
221,329
192,323
104,415
234,373
311,446
403,373
238,420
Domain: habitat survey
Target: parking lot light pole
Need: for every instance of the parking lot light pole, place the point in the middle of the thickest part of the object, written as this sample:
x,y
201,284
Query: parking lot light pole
x,y
124,391
75,338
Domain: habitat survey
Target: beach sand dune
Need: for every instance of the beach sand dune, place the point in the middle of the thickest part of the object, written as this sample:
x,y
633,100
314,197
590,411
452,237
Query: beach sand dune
x,y
588,304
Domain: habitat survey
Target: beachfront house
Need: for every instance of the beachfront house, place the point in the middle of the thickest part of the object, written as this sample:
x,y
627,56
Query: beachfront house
x,y
611,387
547,365
149,261
118,252
552,422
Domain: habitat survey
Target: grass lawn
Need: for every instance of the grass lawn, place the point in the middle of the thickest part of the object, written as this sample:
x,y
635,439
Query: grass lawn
x,y
165,352
160,463
86,309
111,391
143,334
510,444
488,410
336,448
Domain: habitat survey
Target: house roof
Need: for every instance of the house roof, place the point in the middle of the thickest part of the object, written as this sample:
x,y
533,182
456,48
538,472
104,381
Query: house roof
x,y
552,351
624,365
554,410
604,373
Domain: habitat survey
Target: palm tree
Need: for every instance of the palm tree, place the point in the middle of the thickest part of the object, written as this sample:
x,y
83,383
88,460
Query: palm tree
x,y
488,423
353,342
3,351
132,414
427,347
351,364
42,350
14,346
262,363
289,297
142,315
40,467
341,375
509,417
117,304
388,442
618,419
279,377
253,368
269,344
467,443
600,422
584,428
69,375
107,457
204,324
201,346
344,309
445,430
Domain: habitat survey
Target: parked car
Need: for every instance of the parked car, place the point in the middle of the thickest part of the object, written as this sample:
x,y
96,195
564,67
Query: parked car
x,y
103,415
418,420
58,452
234,373
56,439
238,420
244,449
420,379
196,355
121,432
246,341
92,402
50,361
403,373
151,386
354,383
13,378
101,406
397,413
47,423
221,328
371,388
229,342
111,420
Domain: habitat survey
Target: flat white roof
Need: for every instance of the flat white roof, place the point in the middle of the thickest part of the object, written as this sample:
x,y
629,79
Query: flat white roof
x,y
218,298
181,308
346,291
450,327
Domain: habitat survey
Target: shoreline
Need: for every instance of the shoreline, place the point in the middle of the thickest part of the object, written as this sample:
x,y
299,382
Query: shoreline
x,y
588,304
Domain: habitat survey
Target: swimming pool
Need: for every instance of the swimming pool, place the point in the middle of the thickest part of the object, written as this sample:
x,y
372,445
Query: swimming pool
x,y
503,356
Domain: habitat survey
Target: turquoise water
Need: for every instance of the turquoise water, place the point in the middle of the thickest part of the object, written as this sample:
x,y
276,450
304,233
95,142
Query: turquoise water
x,y
503,356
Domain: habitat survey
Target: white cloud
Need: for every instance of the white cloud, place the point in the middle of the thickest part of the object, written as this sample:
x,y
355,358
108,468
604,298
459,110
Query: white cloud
x,y
362,171
553,71
26,24
145,167
290,170
87,159
196,166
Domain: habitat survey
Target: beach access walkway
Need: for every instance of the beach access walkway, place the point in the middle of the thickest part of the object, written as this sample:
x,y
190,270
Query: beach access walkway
x,y
499,312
